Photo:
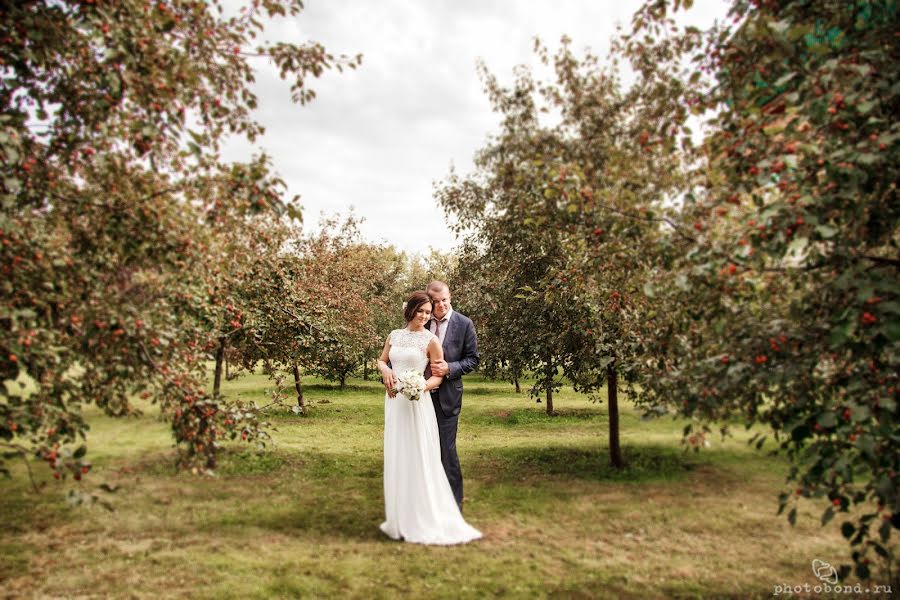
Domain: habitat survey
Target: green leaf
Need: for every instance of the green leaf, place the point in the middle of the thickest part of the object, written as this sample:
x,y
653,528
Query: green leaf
x,y
797,248
12,184
891,307
866,107
892,331
866,158
848,529
81,451
785,78
841,333
827,515
860,413
800,433
827,419
780,26
884,532
294,213
792,517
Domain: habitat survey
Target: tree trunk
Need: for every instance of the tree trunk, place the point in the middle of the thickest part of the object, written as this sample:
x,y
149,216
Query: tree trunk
x,y
518,387
550,374
343,380
297,386
615,451
220,358
366,369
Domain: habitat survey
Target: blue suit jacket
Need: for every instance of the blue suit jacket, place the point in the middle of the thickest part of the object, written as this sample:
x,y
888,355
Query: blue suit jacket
x,y
461,353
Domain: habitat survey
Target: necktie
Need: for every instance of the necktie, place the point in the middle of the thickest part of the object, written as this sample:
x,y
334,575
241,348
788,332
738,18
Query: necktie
x,y
437,328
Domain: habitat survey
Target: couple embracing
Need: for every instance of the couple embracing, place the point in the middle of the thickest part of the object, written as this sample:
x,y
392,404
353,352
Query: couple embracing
x,y
422,479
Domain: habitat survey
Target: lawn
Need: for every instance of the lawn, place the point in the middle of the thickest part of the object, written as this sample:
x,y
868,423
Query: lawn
x,y
301,518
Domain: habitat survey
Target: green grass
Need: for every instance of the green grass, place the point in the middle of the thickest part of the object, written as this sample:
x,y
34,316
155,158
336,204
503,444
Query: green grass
x,y
301,519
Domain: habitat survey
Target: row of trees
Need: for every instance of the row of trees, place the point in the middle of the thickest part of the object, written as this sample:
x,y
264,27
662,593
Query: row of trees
x,y
746,271
132,253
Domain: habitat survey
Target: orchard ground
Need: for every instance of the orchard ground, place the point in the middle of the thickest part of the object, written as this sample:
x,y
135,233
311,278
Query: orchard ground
x,y
301,519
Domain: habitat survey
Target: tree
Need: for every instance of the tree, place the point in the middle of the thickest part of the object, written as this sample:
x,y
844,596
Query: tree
x,y
390,277
480,295
568,213
112,188
517,214
338,276
787,308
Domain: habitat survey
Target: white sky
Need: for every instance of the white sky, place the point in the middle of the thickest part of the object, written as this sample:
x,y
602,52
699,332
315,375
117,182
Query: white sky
x,y
375,139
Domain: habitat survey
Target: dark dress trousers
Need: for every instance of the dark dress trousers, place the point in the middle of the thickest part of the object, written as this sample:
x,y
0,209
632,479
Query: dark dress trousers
x,y
461,353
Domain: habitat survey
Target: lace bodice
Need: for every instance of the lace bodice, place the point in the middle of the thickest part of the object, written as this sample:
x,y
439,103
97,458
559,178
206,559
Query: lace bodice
x,y
409,350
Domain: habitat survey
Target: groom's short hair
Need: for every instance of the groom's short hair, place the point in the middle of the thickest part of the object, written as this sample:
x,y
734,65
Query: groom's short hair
x,y
437,286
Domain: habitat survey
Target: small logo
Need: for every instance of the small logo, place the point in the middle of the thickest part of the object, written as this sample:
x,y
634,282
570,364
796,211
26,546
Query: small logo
x,y
824,571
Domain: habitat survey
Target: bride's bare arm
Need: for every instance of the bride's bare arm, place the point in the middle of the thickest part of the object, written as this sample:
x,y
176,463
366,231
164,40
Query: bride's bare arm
x,y
435,352
387,375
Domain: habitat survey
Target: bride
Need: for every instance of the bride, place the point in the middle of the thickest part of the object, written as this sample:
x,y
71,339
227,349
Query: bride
x,y
418,501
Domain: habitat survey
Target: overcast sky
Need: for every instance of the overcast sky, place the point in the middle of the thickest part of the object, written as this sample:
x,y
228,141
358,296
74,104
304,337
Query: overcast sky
x,y
376,139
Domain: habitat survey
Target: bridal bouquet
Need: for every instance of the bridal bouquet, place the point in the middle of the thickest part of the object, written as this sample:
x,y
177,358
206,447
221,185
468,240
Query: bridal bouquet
x,y
411,384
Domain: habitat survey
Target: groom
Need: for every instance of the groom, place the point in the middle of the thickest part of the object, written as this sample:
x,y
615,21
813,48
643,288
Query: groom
x,y
457,335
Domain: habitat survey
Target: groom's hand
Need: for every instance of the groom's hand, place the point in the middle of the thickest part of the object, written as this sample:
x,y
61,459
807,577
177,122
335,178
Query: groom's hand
x,y
390,382
440,368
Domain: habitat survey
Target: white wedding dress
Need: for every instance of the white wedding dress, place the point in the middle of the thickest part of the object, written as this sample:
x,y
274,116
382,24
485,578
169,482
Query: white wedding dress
x,y
418,502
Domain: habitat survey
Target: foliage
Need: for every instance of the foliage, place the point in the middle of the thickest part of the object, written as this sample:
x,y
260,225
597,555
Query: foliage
x,y
340,275
112,200
516,211
565,226
785,309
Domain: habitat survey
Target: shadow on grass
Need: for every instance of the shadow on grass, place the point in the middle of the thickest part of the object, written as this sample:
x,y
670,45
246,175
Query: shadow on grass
x,y
339,495
643,463
533,416
336,390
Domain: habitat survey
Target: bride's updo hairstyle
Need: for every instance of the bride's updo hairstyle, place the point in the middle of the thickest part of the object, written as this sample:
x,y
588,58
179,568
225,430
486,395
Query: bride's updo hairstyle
x,y
415,300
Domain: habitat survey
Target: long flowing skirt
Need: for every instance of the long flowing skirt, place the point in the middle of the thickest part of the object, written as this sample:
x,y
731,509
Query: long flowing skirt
x,y
418,502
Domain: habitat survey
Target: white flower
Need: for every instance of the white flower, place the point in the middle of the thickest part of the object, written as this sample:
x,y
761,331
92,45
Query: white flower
x,y
411,384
